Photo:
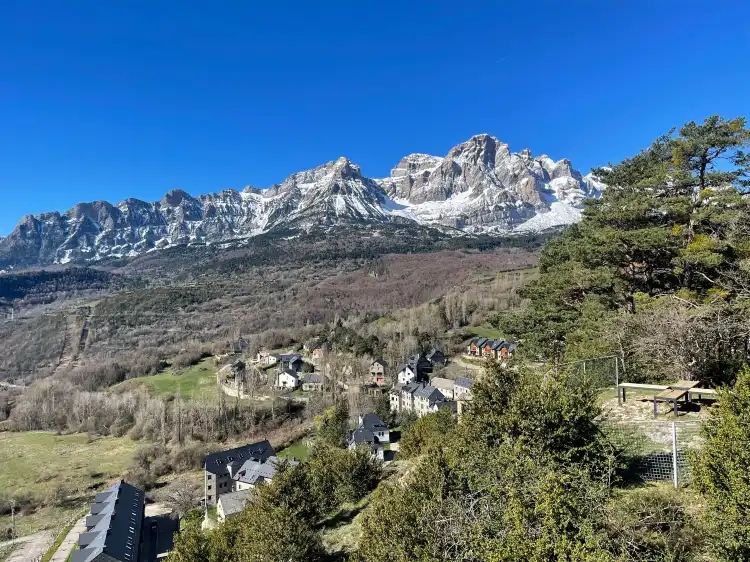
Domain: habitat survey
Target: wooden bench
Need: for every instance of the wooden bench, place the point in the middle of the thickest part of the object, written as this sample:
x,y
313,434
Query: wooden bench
x,y
700,392
669,396
635,386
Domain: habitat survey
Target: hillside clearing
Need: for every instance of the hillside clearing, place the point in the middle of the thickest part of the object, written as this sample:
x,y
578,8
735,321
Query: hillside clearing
x,y
483,332
193,383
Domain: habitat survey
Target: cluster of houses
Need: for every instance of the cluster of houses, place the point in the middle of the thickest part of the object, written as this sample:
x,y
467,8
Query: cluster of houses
x,y
230,475
419,392
117,529
488,348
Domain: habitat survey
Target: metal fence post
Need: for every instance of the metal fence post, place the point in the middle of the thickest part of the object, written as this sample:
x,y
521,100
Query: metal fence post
x,y
674,455
617,382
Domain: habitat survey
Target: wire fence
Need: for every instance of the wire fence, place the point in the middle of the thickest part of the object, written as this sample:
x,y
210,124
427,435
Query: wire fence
x,y
655,451
601,372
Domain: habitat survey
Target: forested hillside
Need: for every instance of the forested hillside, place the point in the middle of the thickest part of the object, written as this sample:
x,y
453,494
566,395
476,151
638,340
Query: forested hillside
x,y
658,270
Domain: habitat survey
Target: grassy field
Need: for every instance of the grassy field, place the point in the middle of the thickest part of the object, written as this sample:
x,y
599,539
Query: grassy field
x,y
297,450
483,332
43,466
198,381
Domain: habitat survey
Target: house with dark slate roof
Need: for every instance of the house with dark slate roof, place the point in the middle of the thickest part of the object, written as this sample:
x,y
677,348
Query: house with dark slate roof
x,y
312,382
231,504
292,361
372,432
221,469
436,357
378,427
462,387
287,379
426,398
118,531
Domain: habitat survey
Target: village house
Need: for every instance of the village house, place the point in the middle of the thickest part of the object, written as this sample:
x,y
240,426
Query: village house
x,y
372,432
320,351
406,374
117,529
462,387
266,358
436,357
402,397
416,370
287,379
421,363
445,386
312,382
229,505
309,345
291,361
223,470
378,370
426,400
240,345
378,427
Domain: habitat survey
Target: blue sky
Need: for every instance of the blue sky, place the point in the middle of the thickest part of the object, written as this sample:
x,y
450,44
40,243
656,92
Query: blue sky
x,y
108,100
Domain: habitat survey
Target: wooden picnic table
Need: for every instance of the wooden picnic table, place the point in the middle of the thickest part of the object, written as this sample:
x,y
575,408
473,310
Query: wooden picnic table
x,y
684,385
669,396
621,388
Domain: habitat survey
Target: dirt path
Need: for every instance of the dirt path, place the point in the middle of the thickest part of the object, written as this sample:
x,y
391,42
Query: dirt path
x,y
69,541
30,548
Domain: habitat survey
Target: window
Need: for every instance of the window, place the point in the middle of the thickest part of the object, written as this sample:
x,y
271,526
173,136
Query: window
x,y
209,486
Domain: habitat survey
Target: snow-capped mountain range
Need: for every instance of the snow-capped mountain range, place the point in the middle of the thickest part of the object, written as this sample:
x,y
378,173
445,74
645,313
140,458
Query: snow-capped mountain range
x,y
479,186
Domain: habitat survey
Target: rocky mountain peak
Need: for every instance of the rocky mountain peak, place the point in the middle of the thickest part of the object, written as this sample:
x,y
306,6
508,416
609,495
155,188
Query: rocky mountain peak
x,y
479,186
175,197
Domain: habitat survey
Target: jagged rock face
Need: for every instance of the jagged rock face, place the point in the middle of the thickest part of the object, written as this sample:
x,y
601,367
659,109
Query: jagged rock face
x,y
480,185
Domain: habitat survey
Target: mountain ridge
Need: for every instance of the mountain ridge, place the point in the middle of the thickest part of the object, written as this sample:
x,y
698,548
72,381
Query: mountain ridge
x,y
479,186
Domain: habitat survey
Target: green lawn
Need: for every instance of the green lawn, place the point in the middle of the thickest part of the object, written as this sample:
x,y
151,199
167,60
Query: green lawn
x,y
198,381
41,466
298,450
483,332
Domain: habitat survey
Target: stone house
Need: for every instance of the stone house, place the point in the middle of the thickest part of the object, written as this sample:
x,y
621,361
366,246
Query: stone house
x,y
320,351
378,373
221,470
